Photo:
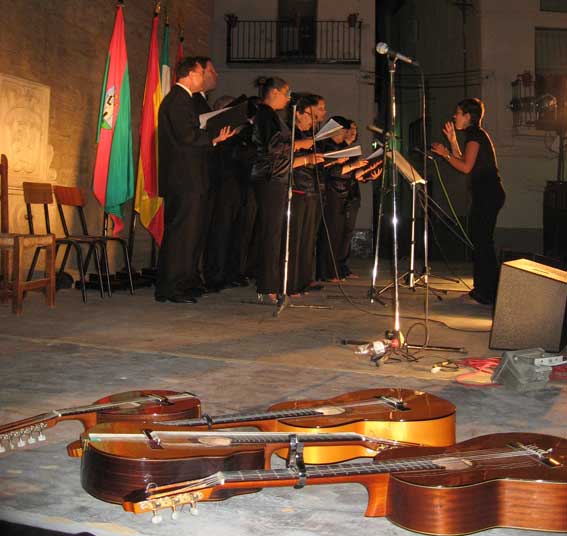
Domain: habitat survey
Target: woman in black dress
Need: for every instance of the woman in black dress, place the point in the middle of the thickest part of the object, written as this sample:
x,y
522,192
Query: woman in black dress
x,y
488,196
270,175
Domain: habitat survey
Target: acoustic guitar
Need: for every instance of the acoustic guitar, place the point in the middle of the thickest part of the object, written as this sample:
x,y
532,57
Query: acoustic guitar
x,y
119,458
390,413
131,406
513,480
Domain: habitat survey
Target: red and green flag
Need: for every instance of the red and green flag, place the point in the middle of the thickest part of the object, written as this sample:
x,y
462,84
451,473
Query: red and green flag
x,y
113,181
148,204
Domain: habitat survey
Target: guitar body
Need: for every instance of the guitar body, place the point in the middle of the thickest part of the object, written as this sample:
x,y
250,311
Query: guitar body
x,y
491,493
513,480
112,469
153,412
425,419
131,406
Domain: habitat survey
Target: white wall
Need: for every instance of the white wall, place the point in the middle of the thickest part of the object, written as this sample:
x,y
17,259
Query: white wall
x,y
348,90
507,49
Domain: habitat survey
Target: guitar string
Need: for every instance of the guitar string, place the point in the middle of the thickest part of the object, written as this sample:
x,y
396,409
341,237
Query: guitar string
x,y
490,454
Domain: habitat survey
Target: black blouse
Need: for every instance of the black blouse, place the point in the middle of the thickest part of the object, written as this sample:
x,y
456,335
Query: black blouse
x,y
484,174
272,138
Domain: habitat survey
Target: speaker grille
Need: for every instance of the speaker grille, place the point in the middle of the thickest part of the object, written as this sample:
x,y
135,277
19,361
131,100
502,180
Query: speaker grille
x,y
530,307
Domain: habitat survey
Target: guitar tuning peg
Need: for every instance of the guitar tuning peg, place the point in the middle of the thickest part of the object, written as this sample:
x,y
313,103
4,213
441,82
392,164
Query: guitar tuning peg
x,y
156,518
174,513
2,448
31,439
21,442
41,436
193,510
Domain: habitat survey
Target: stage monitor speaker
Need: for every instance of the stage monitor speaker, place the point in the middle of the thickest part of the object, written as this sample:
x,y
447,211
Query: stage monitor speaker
x,y
531,307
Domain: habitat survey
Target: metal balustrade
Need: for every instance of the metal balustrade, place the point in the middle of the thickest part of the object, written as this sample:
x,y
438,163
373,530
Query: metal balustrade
x,y
290,41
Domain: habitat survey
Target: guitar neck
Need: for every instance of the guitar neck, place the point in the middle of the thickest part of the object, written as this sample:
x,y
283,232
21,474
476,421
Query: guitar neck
x,y
227,420
349,471
180,438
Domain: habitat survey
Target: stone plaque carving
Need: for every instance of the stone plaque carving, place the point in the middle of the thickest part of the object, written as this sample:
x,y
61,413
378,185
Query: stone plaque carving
x,y
24,123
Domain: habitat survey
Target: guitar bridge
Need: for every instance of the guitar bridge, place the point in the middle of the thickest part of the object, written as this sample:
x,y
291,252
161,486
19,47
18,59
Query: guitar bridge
x,y
544,456
394,403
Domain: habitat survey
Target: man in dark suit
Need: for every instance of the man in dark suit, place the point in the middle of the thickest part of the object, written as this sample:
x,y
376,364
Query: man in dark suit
x,y
183,177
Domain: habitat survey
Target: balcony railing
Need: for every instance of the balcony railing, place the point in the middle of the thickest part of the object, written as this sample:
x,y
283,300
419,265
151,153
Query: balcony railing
x,y
285,41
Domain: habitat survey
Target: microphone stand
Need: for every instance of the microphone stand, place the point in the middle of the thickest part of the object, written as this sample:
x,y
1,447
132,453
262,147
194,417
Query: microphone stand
x,y
283,300
396,335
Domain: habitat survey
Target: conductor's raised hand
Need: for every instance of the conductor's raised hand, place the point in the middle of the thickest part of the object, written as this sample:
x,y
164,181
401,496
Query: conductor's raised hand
x,y
449,131
224,134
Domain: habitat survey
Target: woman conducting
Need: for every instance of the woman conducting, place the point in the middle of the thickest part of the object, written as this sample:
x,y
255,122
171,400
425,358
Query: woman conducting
x,y
478,160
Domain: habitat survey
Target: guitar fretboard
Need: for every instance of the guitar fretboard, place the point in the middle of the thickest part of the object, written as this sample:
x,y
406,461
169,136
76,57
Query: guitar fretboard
x,y
245,417
338,470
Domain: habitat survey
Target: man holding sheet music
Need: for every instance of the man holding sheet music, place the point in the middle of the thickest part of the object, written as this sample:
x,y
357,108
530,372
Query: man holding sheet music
x,y
183,183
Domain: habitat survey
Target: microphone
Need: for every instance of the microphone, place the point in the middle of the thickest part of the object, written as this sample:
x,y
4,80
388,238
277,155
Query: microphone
x,y
383,48
427,154
374,128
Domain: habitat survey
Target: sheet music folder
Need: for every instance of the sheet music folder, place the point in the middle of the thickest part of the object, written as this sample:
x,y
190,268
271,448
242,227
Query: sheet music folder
x,y
234,117
406,169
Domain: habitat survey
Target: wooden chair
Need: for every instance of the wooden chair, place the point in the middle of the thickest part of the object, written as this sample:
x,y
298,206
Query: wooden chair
x,y
14,284
72,196
41,194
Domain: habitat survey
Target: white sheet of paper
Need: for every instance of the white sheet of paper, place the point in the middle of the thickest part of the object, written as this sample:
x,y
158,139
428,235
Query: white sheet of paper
x,y
376,154
348,152
406,169
330,128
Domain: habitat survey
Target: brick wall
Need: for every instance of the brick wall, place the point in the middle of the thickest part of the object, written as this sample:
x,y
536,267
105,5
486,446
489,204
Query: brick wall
x,y
63,44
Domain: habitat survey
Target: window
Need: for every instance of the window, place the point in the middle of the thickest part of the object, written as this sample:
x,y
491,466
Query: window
x,y
559,6
551,68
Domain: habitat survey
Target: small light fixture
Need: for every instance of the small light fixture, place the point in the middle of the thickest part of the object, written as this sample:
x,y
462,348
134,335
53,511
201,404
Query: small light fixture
x,y
352,20
231,19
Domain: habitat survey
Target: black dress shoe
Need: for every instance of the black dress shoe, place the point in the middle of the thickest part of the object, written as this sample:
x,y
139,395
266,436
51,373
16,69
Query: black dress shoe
x,y
176,299
193,292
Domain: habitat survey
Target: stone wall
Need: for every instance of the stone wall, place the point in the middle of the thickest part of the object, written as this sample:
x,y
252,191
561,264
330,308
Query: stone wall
x,y
63,44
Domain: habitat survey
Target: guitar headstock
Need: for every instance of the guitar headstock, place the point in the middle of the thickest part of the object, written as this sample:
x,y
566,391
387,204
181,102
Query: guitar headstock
x,y
25,432
173,496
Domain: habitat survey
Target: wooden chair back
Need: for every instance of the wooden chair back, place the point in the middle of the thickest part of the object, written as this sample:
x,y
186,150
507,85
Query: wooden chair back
x,y
70,196
38,193
4,213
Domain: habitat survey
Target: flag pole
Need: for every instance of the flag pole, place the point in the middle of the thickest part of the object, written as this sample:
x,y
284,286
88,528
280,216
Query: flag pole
x,y
147,273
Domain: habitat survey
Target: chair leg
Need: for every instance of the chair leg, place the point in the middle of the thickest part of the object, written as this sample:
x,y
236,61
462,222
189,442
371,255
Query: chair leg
x,y
5,281
79,252
34,263
65,257
18,290
127,263
104,251
50,274
94,248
